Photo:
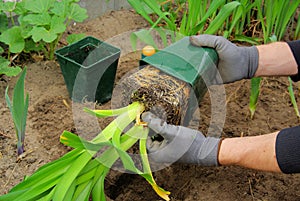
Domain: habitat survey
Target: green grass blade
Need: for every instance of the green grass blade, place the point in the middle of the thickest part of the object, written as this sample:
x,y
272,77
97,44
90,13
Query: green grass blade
x,y
183,25
82,192
163,15
35,191
292,96
72,172
119,123
47,171
250,40
98,189
69,139
69,195
139,7
47,197
18,96
110,113
224,13
82,178
291,8
214,6
254,94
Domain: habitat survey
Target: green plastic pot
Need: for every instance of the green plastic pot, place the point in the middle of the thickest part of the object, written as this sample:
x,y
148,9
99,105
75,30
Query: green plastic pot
x,y
89,68
194,65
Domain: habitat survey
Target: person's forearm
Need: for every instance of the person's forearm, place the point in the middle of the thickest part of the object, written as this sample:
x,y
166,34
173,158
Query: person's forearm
x,y
257,152
276,59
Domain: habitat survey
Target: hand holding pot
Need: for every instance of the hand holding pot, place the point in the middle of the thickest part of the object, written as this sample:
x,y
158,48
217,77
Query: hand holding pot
x,y
180,144
235,63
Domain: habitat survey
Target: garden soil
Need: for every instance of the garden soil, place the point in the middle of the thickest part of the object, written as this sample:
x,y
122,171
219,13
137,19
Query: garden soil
x,y
50,113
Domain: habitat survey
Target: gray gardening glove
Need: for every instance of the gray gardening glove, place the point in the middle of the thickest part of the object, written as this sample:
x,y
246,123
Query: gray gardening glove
x,y
180,144
235,63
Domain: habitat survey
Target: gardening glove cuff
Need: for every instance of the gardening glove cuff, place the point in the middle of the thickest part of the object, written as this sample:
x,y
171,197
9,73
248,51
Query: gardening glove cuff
x,y
251,55
203,152
180,144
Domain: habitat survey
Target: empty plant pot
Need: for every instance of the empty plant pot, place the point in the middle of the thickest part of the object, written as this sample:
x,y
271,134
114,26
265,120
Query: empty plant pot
x,y
89,68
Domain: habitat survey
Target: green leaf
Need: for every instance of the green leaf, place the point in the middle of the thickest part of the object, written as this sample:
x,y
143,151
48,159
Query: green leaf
x,y
31,46
111,113
60,9
67,179
18,109
20,8
77,13
214,6
13,38
8,6
3,22
98,190
75,37
141,8
57,25
38,19
254,94
40,33
19,104
83,191
72,140
224,13
47,172
9,71
38,6
1,51
292,96
251,40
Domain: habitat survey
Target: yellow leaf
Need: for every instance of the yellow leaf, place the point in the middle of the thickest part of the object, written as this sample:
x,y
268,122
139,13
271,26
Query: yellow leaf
x,y
161,192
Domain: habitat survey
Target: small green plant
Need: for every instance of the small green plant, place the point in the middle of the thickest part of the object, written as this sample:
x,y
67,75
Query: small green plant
x,y
292,96
254,91
18,108
80,174
41,24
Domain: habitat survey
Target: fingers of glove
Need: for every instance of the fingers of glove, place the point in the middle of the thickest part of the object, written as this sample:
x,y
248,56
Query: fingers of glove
x,y
162,152
217,42
155,145
159,126
206,40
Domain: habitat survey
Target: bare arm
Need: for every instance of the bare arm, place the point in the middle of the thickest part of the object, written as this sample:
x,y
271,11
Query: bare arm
x,y
257,152
276,59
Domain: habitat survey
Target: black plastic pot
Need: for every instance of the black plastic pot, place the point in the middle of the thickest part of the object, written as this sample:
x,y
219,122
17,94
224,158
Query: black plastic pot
x,y
89,68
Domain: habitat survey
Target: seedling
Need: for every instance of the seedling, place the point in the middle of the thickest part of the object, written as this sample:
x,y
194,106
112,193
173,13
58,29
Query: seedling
x,y
80,174
18,108
292,96
254,91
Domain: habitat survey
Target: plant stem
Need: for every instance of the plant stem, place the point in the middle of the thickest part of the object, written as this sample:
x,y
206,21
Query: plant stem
x,y
12,18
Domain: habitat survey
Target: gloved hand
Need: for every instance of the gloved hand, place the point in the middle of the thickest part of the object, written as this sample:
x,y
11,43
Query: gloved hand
x,y
235,63
180,144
